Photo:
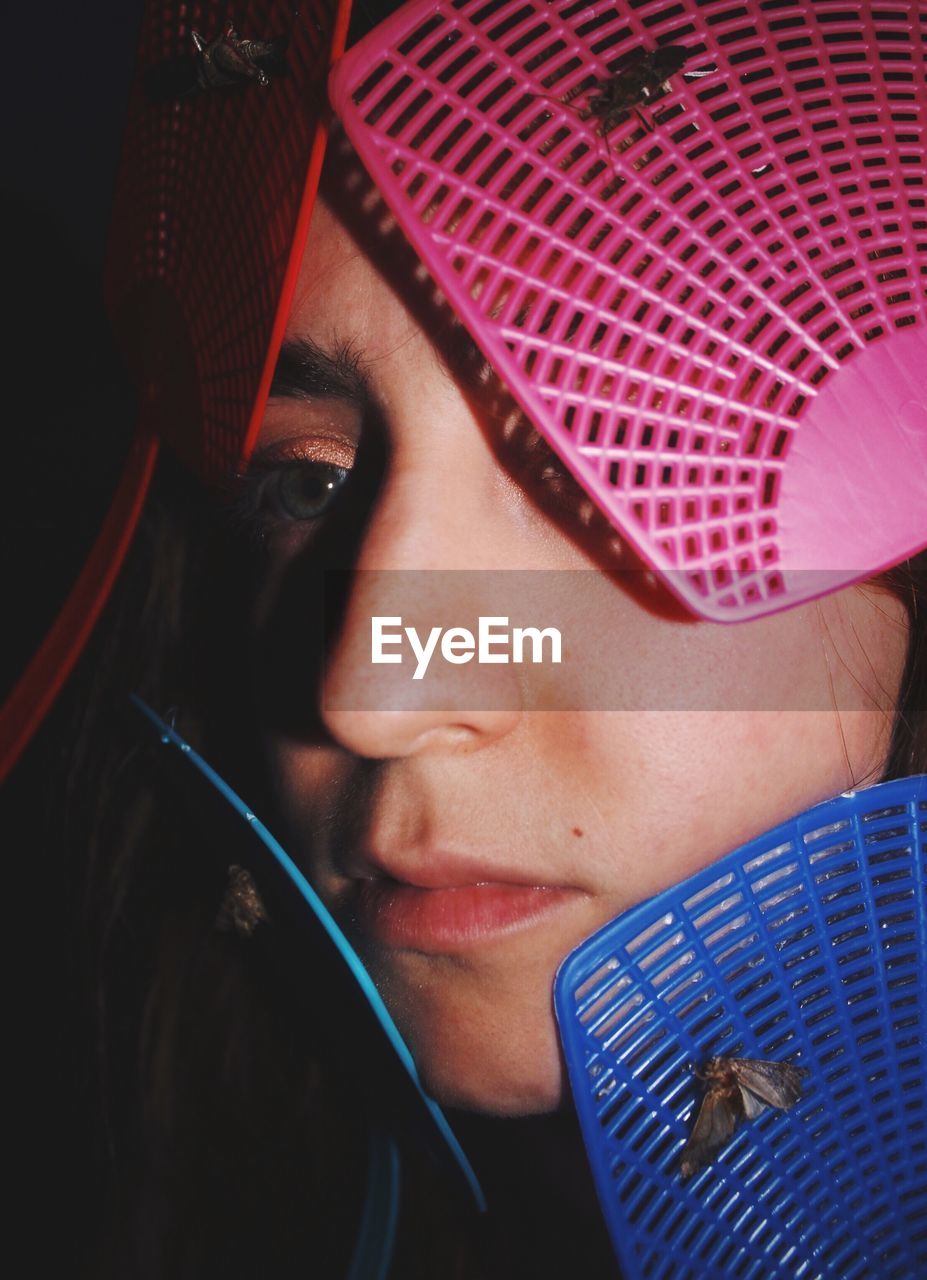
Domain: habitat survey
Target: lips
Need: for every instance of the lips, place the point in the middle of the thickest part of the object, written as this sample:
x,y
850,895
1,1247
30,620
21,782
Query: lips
x,y
404,915
446,901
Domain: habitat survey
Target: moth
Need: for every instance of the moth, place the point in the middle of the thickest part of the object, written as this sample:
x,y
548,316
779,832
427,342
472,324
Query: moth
x,y
736,1089
242,908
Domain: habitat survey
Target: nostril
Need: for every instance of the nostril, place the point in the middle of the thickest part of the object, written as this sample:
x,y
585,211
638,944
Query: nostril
x,y
454,739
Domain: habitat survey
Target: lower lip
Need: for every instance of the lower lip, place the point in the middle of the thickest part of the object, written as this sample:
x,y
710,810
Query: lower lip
x,y
404,915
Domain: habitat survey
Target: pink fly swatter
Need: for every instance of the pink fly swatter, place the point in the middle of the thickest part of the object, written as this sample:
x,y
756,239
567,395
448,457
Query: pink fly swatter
x,y
708,294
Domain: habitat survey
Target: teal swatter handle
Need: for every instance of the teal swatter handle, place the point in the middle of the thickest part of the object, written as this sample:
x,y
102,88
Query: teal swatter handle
x,y
376,1236
169,736
373,1252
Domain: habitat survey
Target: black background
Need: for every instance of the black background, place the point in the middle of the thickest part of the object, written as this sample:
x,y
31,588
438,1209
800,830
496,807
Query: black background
x,y
68,417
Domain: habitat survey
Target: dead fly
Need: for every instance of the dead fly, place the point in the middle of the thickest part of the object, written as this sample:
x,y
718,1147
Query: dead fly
x,y
225,62
642,79
646,77
736,1089
229,60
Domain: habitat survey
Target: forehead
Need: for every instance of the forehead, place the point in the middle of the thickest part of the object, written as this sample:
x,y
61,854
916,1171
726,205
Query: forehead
x,y
342,293
361,286
360,281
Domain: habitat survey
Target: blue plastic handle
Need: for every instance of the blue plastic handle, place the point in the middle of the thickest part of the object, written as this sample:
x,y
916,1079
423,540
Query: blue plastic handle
x,y
265,844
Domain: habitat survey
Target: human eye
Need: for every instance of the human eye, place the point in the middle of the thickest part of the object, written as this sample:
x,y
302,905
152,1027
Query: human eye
x,y
288,493
300,491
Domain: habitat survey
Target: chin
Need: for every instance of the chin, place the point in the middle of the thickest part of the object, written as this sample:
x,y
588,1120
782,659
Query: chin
x,y
492,1082
481,1051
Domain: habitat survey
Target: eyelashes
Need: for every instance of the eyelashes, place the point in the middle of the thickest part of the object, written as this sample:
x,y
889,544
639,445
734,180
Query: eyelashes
x,y
294,493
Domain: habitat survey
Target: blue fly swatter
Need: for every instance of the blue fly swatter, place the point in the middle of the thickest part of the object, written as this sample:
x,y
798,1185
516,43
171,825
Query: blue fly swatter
x,y
806,946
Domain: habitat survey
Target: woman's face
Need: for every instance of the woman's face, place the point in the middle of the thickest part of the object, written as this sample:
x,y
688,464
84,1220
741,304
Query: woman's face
x,y
471,829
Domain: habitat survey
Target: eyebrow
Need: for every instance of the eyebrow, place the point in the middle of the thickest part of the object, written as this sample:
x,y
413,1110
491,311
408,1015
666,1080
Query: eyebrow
x,y
305,370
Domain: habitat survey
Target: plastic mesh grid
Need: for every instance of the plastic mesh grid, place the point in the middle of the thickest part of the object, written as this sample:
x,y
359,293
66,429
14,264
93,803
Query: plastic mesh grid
x,y
206,205
678,302
809,944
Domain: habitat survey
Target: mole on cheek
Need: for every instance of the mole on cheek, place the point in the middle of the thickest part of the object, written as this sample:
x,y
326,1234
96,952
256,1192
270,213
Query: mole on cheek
x,y
577,831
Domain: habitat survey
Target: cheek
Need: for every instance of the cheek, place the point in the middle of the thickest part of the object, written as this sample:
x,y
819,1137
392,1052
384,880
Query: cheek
x,y
673,791
638,799
758,722
305,783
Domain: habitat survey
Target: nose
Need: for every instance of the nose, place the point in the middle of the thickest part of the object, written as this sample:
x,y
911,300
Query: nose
x,y
430,558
